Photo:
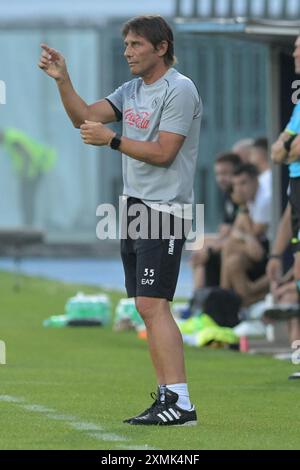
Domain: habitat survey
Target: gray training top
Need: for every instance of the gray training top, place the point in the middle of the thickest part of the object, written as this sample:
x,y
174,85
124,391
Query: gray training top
x,y
170,104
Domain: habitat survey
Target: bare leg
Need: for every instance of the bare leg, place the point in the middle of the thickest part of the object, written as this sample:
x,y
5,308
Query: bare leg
x,y
250,252
237,279
164,339
297,266
198,262
199,276
230,248
290,297
294,330
225,281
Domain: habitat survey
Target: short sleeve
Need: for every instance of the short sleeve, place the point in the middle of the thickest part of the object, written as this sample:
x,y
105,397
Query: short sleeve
x,y
262,213
116,101
181,107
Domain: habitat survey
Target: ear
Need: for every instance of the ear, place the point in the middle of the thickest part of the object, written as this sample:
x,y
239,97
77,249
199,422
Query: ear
x,y
162,48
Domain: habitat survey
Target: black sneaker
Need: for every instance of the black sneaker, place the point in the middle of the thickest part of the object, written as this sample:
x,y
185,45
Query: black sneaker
x,y
282,312
155,397
295,376
165,412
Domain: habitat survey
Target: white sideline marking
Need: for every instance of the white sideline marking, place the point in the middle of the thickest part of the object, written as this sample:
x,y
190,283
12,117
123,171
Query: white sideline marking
x,y
37,408
86,426
58,417
2,353
100,436
10,399
92,430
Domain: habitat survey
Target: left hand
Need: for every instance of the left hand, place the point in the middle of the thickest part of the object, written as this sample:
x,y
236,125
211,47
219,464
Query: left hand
x,y
287,293
95,133
295,150
238,235
238,197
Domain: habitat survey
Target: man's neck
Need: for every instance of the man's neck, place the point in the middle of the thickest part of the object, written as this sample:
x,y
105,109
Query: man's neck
x,y
153,75
264,168
255,194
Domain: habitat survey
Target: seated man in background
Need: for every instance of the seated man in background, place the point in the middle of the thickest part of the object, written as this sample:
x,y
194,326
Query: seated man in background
x,y
206,261
243,149
244,254
259,157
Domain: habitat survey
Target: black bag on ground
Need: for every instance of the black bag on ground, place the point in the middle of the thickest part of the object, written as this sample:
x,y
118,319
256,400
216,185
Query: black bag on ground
x,y
220,304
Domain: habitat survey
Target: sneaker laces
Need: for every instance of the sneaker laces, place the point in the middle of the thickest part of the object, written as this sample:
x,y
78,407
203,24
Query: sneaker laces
x,y
156,403
155,397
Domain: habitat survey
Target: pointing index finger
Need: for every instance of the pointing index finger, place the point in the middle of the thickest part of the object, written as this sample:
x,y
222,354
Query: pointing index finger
x,y
54,54
46,47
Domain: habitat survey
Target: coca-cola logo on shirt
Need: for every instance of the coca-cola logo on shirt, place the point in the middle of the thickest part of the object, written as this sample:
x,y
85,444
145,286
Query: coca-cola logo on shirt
x,y
139,120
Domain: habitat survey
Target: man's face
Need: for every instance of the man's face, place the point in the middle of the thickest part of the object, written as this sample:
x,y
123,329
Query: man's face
x,y
296,55
245,187
224,174
256,156
140,54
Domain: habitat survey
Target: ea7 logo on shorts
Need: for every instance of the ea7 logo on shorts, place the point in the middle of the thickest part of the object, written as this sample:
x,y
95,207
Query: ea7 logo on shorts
x,y
148,273
147,282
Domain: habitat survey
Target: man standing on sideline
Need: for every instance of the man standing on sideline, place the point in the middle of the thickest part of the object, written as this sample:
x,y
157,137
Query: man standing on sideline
x,y
286,150
161,115
206,262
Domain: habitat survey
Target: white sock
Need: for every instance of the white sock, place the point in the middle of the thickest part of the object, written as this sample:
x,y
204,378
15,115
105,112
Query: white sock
x,y
162,391
183,395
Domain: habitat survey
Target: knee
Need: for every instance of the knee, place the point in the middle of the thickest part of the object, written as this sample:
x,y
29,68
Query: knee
x,y
147,307
234,263
200,257
229,247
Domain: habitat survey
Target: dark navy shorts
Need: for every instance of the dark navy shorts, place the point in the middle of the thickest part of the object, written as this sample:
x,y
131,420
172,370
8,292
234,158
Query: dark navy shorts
x,y
151,265
294,198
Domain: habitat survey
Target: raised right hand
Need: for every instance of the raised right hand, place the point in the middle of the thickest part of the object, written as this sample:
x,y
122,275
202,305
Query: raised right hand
x,y
53,63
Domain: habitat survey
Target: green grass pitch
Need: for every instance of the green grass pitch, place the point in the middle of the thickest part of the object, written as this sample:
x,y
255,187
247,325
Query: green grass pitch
x,y
71,388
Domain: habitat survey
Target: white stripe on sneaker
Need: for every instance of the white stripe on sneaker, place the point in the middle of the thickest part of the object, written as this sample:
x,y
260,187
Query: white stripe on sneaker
x,y
173,413
162,418
170,418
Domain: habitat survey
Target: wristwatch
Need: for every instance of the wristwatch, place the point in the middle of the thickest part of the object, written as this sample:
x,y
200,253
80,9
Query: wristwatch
x,y
115,142
274,256
243,210
288,143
